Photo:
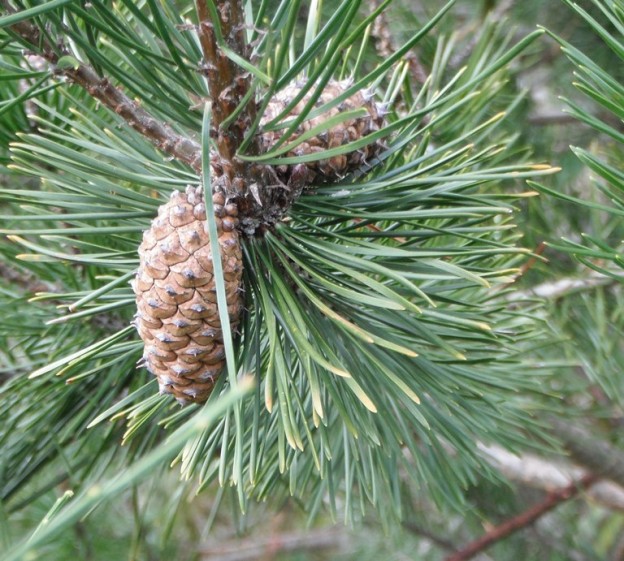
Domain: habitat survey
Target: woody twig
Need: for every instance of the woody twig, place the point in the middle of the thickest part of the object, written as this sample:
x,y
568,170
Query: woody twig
x,y
222,38
221,26
260,197
161,134
524,519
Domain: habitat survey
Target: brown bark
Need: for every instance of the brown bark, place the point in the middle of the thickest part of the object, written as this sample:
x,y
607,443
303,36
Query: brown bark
x,y
524,519
261,198
227,82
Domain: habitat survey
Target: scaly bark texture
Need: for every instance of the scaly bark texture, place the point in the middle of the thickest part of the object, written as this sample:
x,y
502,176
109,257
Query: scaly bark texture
x,y
261,199
228,83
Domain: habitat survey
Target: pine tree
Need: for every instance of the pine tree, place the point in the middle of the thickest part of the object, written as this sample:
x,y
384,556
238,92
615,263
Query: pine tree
x,y
346,205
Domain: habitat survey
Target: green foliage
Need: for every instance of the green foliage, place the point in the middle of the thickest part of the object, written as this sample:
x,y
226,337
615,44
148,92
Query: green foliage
x,y
592,319
378,328
604,87
57,519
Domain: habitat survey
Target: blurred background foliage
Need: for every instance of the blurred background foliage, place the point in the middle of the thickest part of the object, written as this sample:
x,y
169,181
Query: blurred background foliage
x,y
161,519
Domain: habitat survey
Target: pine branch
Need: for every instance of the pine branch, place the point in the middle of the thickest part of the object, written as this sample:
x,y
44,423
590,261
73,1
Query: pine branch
x,y
340,316
162,135
227,84
261,198
523,519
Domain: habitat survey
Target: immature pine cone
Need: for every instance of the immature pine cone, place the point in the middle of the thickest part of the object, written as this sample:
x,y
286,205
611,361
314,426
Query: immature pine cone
x,y
177,315
335,168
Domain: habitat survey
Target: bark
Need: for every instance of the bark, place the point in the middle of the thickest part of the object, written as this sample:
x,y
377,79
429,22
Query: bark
x,y
524,519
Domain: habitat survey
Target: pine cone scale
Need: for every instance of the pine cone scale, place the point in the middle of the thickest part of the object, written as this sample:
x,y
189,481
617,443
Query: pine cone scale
x,y
350,130
177,314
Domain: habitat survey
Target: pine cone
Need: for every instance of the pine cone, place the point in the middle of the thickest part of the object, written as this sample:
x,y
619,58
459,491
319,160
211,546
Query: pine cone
x,y
177,315
334,168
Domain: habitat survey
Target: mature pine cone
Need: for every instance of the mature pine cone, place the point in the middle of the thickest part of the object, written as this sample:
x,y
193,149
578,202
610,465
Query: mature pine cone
x,y
177,315
334,168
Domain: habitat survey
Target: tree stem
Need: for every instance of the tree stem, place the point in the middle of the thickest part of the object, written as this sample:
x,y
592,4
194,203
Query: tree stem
x,y
523,519
261,197
221,26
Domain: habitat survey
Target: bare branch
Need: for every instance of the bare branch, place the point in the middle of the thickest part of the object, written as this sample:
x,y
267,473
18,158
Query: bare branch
x,y
590,451
524,519
562,287
548,475
269,546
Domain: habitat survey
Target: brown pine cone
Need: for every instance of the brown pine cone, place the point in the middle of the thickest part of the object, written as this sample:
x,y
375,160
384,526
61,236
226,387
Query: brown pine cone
x,y
177,315
335,168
